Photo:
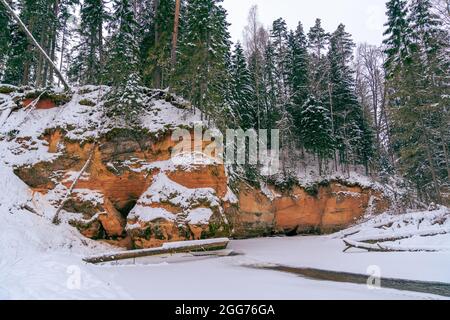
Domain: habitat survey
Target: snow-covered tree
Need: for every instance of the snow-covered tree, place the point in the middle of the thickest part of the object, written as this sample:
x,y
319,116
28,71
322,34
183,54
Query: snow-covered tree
x,y
298,74
201,71
122,67
419,103
318,41
349,125
5,38
316,130
89,60
397,36
279,37
242,90
271,113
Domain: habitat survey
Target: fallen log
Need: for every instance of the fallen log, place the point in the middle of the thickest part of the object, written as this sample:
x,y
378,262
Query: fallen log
x,y
379,247
361,245
56,219
167,248
384,223
402,235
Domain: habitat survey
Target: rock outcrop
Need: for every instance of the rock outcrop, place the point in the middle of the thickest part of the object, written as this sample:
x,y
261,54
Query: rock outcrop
x,y
134,194
125,177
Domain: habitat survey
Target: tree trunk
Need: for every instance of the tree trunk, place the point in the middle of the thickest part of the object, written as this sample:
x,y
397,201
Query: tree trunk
x,y
54,39
433,173
26,69
100,48
446,155
175,33
157,74
189,246
63,48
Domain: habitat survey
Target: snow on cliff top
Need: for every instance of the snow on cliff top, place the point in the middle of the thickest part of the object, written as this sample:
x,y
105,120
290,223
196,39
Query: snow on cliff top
x,y
81,118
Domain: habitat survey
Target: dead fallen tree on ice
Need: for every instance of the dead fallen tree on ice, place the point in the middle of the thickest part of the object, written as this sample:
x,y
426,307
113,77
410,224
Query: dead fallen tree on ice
x,y
167,248
385,233
375,242
380,247
394,236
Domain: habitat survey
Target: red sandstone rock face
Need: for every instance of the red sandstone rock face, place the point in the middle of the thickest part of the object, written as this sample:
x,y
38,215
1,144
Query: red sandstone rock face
x,y
254,216
112,220
334,207
122,185
42,104
211,176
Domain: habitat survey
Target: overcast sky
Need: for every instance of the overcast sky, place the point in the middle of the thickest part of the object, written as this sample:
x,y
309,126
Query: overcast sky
x,y
364,19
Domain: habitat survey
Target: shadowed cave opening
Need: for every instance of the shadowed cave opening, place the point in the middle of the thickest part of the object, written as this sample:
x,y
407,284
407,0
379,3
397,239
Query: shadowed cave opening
x,y
126,208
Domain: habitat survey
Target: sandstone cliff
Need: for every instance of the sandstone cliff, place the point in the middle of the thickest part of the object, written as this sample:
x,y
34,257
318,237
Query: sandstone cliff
x,y
134,195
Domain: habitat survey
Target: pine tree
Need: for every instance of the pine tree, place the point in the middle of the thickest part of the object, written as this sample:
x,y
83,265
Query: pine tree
x,y
242,91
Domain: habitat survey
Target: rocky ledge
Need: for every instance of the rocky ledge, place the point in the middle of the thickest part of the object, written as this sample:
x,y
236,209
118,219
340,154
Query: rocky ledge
x,y
134,195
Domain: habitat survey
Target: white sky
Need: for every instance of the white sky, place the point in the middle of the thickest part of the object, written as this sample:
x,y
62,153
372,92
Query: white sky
x,y
364,19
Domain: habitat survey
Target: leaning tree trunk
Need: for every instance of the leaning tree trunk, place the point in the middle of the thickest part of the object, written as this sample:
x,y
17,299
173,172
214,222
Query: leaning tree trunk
x,y
35,43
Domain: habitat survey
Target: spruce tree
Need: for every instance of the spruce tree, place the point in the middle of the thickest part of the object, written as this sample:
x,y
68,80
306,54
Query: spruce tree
x,y
351,131
242,90
5,38
318,41
201,74
26,65
89,62
298,74
279,36
124,102
316,130
156,37
397,36
418,104
21,58
271,112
